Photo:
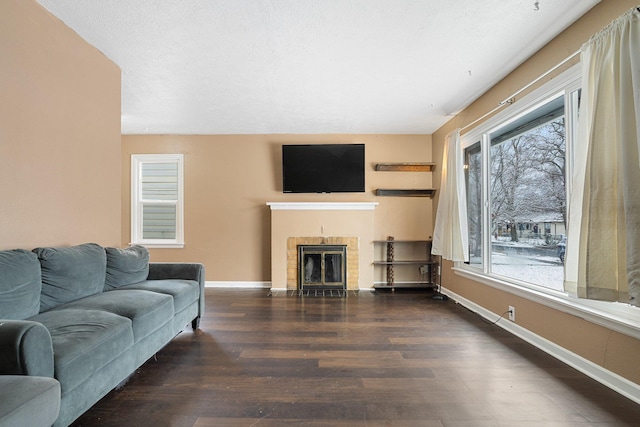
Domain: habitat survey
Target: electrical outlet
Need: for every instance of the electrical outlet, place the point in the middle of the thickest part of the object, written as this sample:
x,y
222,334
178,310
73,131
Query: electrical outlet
x,y
512,313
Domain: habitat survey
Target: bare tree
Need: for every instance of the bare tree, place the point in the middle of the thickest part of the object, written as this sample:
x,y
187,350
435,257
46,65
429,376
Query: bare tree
x,y
528,176
548,154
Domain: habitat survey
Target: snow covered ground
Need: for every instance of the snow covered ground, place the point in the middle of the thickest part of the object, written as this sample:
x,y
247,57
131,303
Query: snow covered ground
x,y
540,270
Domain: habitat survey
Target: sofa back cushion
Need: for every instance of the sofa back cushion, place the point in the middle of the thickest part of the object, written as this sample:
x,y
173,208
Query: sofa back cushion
x,y
70,273
20,284
126,266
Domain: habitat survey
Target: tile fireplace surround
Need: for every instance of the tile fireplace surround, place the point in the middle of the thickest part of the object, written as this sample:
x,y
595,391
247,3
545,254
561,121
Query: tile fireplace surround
x,y
297,223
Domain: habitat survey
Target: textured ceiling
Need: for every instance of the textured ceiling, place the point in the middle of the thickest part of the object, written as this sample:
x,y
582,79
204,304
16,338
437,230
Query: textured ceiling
x,y
309,66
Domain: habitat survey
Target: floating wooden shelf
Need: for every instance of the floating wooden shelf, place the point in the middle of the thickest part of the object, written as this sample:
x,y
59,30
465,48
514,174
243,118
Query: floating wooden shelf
x,y
402,241
406,167
414,262
395,285
428,192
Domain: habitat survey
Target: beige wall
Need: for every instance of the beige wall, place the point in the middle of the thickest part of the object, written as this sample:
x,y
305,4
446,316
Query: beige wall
x,y
601,346
229,179
59,134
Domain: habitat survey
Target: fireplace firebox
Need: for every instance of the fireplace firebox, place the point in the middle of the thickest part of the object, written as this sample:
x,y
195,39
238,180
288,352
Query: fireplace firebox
x,y
322,267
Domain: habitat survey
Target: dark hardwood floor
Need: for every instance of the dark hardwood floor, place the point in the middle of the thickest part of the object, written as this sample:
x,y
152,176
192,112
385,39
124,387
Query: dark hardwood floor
x,y
383,359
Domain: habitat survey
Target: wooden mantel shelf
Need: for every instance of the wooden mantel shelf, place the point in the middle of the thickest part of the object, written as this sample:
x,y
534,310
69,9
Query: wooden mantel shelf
x,y
322,206
405,167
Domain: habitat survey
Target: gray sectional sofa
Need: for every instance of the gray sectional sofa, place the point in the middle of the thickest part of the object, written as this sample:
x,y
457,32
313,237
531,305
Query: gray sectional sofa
x,y
85,317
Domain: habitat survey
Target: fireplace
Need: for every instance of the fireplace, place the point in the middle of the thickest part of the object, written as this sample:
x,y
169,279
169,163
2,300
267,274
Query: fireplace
x,y
347,224
319,248
322,267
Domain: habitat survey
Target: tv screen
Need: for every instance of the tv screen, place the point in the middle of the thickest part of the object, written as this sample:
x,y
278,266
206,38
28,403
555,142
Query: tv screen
x,y
323,168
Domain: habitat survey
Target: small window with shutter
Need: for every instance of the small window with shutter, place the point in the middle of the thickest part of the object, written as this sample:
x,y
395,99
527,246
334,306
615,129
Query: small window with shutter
x,y
157,200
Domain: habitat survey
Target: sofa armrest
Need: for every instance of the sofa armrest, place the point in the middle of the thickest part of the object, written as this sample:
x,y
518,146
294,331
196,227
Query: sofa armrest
x,y
178,270
25,349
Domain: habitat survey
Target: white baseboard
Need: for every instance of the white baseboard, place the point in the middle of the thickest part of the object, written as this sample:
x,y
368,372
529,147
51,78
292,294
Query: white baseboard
x,y
610,379
238,285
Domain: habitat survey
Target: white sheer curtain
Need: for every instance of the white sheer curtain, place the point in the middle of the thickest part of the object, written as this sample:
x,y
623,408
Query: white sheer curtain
x,y
450,234
603,248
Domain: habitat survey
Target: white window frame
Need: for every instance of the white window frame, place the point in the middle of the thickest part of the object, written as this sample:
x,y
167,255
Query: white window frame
x,y
137,203
616,316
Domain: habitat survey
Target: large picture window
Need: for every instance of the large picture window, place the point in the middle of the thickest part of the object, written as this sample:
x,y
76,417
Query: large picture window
x,y
157,200
516,168
528,196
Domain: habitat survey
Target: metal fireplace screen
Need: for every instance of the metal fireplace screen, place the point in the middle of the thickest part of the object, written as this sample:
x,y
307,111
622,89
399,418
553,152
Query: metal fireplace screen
x,y
322,267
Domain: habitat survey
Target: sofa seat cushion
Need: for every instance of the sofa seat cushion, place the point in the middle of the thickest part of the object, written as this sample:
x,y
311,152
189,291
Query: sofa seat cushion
x,y
20,284
184,292
148,311
70,273
28,401
84,341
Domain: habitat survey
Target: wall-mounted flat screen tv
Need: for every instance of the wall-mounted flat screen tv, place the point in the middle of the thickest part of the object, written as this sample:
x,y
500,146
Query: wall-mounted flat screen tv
x,y
323,168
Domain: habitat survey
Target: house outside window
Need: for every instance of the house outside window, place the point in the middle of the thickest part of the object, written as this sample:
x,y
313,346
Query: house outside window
x,y
157,214
516,168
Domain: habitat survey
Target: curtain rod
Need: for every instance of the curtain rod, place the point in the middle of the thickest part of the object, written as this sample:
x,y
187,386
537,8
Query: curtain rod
x,y
511,99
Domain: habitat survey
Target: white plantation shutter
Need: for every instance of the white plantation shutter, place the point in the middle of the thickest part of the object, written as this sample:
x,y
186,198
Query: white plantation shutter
x,y
158,221
159,200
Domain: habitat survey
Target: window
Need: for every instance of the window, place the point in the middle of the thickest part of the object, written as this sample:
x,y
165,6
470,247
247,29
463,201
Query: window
x,y
516,218
473,179
157,200
516,168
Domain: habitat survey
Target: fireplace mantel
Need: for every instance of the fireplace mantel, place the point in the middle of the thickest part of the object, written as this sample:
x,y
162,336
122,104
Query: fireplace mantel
x,y
322,206
325,223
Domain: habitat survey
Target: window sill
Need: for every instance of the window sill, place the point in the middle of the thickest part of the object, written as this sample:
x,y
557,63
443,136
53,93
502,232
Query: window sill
x,y
161,245
619,317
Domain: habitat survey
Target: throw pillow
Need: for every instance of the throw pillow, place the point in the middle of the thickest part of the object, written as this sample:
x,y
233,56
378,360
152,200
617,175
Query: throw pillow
x,y
20,284
126,266
70,273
